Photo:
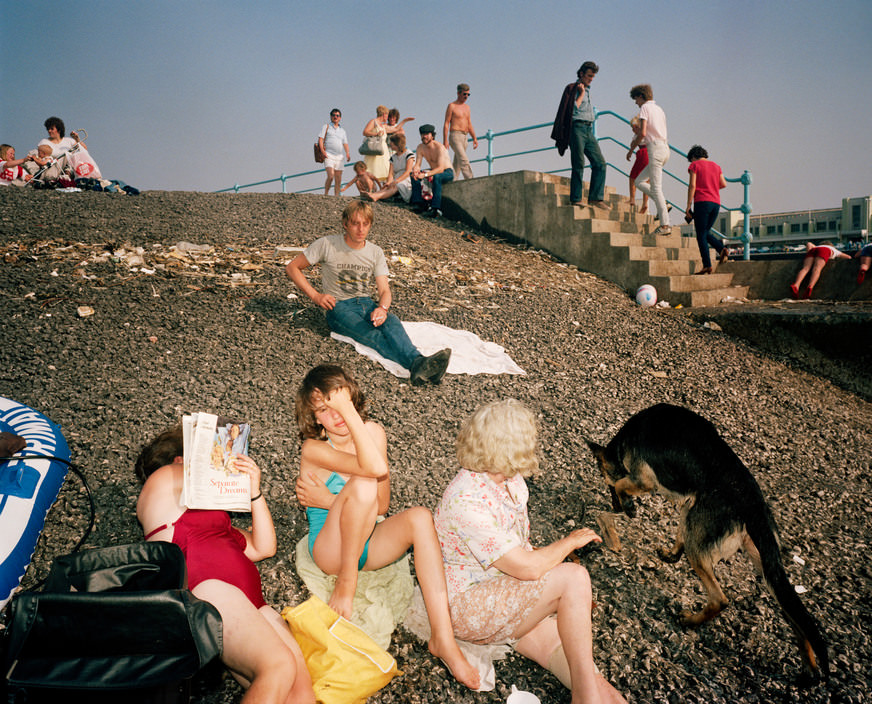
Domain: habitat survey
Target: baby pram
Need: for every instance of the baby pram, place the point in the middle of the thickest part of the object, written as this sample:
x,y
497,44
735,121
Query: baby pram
x,y
59,168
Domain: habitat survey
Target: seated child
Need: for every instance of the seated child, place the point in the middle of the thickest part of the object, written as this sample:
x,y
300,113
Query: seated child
x,y
11,171
76,162
345,484
43,157
366,183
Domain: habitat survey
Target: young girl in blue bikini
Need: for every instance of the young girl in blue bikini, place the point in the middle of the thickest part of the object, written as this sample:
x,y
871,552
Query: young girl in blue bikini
x,y
344,484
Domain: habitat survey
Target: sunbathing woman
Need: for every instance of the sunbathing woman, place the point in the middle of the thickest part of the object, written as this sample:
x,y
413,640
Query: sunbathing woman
x,y
344,484
502,589
258,647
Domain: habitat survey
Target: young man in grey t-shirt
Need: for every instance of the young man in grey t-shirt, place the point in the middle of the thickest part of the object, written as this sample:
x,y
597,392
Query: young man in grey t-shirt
x,y
349,264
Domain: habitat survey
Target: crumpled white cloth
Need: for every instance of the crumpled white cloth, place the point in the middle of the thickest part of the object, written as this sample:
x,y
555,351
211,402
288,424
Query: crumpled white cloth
x,y
479,656
469,353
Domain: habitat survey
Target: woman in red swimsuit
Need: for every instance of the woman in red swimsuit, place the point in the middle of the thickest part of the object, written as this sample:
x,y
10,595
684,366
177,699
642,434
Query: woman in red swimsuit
x,y
258,647
816,257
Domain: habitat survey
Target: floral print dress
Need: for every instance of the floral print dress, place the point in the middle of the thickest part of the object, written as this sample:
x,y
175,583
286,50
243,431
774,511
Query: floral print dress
x,y
479,520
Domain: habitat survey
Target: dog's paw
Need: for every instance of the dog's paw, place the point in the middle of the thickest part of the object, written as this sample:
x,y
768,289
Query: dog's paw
x,y
616,502
669,556
691,619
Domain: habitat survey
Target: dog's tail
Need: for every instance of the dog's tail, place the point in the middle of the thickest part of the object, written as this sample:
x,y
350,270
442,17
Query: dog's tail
x,y
812,646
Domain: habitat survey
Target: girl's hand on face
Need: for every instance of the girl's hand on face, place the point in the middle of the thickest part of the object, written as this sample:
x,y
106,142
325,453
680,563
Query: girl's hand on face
x,y
246,465
339,400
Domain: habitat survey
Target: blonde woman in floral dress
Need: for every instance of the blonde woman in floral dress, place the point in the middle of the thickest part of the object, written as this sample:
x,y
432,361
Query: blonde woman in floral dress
x,y
500,588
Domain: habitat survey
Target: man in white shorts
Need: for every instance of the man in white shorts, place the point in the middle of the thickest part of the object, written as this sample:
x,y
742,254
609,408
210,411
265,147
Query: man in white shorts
x,y
332,140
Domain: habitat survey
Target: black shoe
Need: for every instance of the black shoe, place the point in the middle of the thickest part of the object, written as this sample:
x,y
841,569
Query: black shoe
x,y
433,213
430,368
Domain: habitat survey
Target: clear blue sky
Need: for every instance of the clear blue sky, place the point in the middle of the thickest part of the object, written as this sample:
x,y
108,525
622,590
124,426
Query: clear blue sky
x,y
196,95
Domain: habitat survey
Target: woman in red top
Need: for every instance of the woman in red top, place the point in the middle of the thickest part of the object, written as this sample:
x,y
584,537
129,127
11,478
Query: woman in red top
x,y
258,648
703,204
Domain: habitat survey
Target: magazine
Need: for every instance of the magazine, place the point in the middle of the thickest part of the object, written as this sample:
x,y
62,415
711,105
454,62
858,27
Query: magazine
x,y
210,482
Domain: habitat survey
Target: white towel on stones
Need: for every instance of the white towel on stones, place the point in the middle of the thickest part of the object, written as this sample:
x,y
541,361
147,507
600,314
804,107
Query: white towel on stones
x,y
469,353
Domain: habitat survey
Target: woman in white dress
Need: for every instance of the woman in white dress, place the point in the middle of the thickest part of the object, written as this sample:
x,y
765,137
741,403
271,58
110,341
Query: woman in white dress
x,y
379,165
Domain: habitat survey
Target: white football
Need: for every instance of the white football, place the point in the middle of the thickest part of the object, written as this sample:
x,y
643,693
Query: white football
x,y
646,295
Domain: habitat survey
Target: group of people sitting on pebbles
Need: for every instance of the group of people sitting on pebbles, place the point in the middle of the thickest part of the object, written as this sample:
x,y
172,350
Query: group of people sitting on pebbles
x,y
57,160
481,579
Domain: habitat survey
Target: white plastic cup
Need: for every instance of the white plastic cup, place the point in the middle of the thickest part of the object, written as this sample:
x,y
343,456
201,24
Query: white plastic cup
x,y
519,696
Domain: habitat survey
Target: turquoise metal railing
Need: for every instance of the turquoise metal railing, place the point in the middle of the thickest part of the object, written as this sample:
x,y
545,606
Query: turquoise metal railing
x,y
490,158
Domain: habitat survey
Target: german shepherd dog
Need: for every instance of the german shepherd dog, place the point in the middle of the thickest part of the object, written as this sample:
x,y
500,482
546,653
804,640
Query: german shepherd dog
x,y
679,454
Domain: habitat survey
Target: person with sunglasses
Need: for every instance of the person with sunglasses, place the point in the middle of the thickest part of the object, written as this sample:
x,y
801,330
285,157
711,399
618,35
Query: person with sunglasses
x,y
332,140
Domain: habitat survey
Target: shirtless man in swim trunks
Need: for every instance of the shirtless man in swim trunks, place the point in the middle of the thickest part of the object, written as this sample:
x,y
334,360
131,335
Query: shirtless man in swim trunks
x,y
458,125
440,170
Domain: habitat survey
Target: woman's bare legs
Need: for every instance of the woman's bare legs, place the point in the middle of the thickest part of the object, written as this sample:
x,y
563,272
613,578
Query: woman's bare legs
x,y
806,267
302,691
568,594
353,514
391,539
816,269
385,192
257,656
340,543
644,207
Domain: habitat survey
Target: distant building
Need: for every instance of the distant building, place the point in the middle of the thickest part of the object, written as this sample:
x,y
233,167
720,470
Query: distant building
x,y
851,223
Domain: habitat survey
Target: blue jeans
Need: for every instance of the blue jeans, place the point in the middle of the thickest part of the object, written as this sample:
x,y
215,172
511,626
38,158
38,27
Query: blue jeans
x,y
351,318
436,184
705,212
582,143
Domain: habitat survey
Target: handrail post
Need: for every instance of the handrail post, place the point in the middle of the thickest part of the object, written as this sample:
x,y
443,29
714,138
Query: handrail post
x,y
746,209
490,152
283,178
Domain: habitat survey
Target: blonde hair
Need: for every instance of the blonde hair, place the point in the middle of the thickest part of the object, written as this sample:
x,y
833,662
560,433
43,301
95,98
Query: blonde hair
x,y
3,149
499,438
381,110
355,207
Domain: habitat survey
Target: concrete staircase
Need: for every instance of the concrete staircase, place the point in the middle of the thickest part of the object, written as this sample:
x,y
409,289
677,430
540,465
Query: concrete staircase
x,y
617,245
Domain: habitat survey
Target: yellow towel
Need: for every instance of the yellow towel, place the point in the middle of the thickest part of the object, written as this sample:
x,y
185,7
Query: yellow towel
x,y
382,597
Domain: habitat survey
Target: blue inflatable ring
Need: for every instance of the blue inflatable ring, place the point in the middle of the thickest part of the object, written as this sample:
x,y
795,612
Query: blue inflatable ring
x,y
28,488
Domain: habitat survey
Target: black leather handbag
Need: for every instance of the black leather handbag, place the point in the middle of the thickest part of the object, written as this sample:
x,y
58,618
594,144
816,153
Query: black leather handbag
x,y
112,624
